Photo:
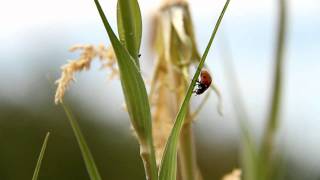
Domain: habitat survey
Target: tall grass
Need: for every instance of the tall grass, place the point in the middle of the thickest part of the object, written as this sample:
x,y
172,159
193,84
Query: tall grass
x,y
85,151
257,161
136,96
39,162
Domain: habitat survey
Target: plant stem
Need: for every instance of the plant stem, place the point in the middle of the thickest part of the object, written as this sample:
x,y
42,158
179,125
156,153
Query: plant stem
x,y
187,164
273,120
148,157
43,149
138,109
85,151
187,155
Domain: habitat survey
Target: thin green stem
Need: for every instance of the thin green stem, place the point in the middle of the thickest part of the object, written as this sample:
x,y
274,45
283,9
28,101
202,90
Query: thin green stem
x,y
187,153
273,119
248,150
85,151
43,149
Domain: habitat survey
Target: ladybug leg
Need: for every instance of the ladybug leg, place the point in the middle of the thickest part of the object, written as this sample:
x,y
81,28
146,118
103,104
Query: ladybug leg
x,y
196,88
195,92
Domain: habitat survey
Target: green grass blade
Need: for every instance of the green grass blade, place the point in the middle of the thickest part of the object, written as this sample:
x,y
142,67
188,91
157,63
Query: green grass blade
x,y
279,67
130,26
266,153
169,161
274,114
249,153
43,149
136,98
85,151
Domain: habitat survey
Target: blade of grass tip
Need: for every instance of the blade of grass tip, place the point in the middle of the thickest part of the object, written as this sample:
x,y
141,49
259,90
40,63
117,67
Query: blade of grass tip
x,y
85,151
136,98
43,149
169,161
130,26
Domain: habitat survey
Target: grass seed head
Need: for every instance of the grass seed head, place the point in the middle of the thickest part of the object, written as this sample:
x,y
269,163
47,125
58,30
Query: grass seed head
x,y
88,54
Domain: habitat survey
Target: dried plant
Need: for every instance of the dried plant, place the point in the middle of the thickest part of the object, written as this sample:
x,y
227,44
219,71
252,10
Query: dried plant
x,y
175,47
234,175
88,54
171,88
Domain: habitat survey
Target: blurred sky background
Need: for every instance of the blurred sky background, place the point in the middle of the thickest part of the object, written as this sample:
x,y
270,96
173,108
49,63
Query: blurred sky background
x,y
35,36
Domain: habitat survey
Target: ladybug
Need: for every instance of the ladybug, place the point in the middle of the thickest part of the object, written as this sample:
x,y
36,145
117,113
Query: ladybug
x,y
204,83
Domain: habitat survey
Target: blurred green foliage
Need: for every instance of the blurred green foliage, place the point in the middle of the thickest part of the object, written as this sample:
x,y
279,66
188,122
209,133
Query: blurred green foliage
x,y
22,134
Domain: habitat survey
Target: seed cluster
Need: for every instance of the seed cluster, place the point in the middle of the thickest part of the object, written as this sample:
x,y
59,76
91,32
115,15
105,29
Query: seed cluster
x,y
88,54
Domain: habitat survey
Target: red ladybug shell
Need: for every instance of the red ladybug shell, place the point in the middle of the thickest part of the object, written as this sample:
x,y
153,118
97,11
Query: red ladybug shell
x,y
205,78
